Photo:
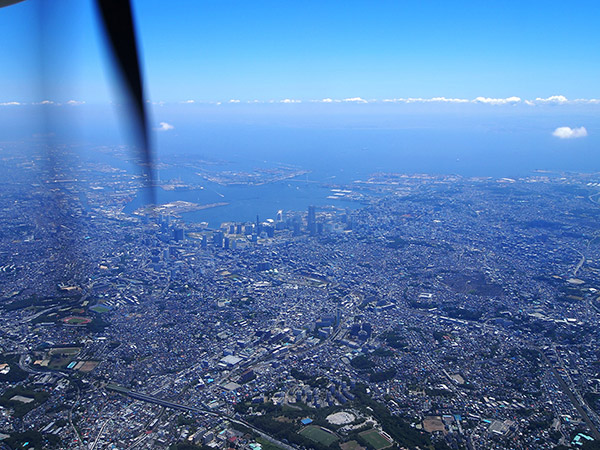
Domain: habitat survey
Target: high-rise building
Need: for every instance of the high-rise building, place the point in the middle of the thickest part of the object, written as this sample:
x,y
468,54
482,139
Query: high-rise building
x,y
258,228
311,220
218,239
178,234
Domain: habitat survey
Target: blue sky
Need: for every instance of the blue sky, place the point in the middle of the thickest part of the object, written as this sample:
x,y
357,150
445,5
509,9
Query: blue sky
x,y
219,50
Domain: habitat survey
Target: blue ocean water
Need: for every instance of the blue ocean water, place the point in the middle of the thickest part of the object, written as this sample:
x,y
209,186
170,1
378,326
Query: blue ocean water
x,y
245,203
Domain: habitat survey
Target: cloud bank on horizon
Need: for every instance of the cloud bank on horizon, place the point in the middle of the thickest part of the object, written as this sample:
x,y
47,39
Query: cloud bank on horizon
x,y
514,100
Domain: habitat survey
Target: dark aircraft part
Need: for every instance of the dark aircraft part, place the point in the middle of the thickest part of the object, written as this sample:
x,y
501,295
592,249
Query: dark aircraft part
x,y
4,3
118,25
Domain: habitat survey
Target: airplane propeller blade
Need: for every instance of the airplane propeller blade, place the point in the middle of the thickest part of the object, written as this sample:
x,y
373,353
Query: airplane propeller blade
x,y
117,19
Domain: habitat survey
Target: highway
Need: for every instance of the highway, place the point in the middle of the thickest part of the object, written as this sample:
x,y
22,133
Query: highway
x,y
578,406
177,406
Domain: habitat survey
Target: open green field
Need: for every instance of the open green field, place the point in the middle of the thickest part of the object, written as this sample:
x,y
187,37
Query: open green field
x,y
318,434
99,309
374,439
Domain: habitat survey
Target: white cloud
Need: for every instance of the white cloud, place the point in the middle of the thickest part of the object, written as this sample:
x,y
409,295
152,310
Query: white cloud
x,y
497,101
448,100
328,100
75,102
552,100
356,100
570,133
589,101
188,101
164,126
558,99
10,104
289,100
426,100
233,100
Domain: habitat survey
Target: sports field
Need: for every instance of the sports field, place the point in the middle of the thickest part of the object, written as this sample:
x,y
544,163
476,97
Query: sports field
x,y
99,309
375,439
74,320
318,434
